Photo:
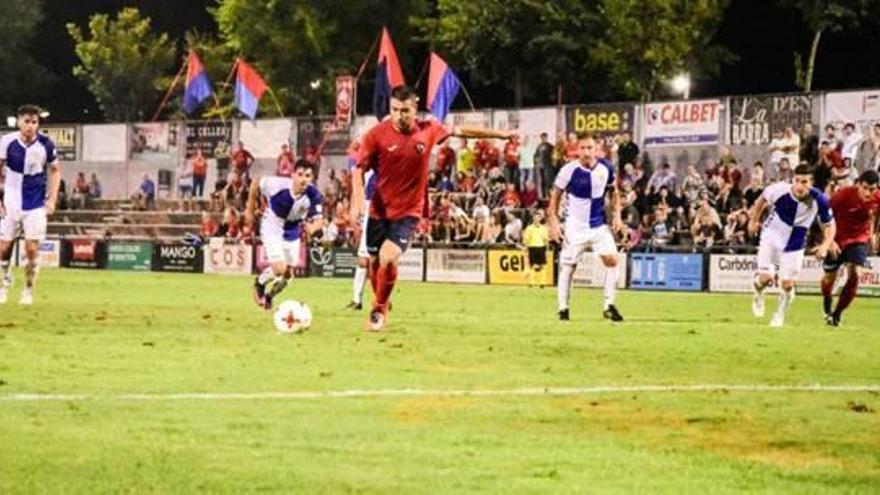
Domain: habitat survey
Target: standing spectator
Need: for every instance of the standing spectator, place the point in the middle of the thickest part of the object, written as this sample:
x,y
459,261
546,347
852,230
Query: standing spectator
x,y
627,151
466,159
221,154
286,159
776,153
662,177
868,155
572,151
490,155
529,195
829,162
783,171
513,229
242,160
184,180
809,145
511,163
80,191
831,137
851,141
446,159
544,170
95,191
199,173
753,192
527,161
791,146
757,173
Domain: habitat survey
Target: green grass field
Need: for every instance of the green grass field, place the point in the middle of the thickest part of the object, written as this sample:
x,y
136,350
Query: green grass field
x,y
98,338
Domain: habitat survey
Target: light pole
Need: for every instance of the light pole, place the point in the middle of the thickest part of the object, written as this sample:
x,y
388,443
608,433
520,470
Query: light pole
x,y
682,84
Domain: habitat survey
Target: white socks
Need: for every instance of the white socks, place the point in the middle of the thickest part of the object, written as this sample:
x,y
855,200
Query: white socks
x,y
360,280
566,273
265,276
610,285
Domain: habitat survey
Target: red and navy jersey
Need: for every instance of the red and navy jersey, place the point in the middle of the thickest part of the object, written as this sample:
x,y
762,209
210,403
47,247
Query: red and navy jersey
x,y
853,215
400,161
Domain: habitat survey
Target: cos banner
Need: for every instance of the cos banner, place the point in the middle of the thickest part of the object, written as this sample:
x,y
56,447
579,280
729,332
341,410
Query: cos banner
x,y
136,256
675,123
228,259
412,265
600,120
456,265
511,267
177,258
590,272
660,271
48,254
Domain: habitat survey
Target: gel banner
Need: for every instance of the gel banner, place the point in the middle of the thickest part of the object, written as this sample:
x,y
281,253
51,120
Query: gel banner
x,y
228,259
64,139
690,122
590,272
511,267
48,254
177,258
754,119
137,256
411,265
82,253
456,265
662,271
600,120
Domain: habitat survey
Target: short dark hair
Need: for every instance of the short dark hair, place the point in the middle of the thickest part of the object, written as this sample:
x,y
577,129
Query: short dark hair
x,y
849,125
29,110
869,177
830,126
403,92
803,169
303,163
543,134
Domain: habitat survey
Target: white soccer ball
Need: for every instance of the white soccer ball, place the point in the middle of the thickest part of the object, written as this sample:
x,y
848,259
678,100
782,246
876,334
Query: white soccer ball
x,y
293,317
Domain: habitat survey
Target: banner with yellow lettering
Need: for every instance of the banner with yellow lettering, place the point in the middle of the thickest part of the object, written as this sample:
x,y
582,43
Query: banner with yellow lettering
x,y
511,267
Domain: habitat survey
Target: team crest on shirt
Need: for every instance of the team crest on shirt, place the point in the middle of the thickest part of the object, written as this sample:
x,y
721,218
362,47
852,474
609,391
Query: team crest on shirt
x,y
421,147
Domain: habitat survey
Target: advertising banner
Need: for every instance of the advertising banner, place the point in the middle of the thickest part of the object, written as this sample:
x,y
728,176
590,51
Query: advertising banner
x,y
481,119
173,257
411,265
690,122
530,123
137,256
150,142
332,262
263,138
735,273
862,108
662,271
105,143
600,120
48,254
754,119
214,138
456,265
64,138
590,272
511,267
228,259
345,88
82,253
311,132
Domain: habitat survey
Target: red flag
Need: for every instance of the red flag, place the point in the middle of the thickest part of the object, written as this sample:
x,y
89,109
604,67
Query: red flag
x,y
249,88
388,75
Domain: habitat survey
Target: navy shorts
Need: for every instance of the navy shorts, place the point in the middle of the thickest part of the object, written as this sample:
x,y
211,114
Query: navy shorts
x,y
857,254
397,231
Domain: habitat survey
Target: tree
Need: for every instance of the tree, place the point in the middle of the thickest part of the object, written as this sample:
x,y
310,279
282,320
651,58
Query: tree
x,y
527,46
298,42
19,23
824,16
122,62
646,43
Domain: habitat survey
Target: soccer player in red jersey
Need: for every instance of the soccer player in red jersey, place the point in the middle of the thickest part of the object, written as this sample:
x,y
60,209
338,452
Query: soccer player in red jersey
x,y
855,210
398,149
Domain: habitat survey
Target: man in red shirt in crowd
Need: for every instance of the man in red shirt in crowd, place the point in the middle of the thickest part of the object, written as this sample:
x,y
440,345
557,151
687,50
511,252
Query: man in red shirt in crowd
x,y
242,160
398,149
855,211
511,163
445,159
286,159
200,173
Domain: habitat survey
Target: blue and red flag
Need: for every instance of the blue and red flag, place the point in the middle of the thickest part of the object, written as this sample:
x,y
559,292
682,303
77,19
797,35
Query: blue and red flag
x,y
443,87
388,75
198,86
249,88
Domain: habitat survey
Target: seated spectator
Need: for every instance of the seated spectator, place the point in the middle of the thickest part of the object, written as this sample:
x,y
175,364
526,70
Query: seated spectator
x,y
693,183
511,199
783,172
466,182
145,197
707,225
663,176
661,228
209,226
736,228
753,192
529,195
95,191
464,229
513,229
80,191
218,199
757,173
235,192
230,228
491,232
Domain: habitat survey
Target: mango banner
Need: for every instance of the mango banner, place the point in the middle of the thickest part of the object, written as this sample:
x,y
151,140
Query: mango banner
x,y
511,267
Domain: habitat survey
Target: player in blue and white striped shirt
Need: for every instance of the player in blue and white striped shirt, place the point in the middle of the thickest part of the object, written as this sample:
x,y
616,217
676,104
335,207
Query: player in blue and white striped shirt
x,y
33,176
793,208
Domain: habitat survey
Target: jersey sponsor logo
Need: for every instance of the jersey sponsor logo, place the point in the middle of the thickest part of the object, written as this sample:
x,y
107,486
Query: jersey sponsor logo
x,y
421,147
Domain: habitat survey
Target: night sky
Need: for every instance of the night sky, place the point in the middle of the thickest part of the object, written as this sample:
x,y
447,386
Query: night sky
x,y
763,36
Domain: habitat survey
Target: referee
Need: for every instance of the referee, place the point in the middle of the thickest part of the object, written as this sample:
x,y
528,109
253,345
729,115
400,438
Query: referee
x,y
535,238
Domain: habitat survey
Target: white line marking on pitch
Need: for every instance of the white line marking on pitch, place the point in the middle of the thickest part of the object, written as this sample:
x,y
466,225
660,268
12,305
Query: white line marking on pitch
x,y
408,392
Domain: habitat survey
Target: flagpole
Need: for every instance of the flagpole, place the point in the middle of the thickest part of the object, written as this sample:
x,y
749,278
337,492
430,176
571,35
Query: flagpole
x,y
170,89
226,85
422,72
275,100
468,96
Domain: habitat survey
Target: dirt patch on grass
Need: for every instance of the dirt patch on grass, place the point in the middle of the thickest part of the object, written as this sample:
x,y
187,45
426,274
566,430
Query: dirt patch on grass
x,y
423,409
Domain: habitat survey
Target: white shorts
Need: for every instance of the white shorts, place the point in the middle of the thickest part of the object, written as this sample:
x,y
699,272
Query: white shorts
x,y
771,256
362,245
599,239
32,222
281,250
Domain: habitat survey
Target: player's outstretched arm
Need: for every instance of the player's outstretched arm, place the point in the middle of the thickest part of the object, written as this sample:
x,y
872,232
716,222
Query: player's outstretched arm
x,y
477,132
54,185
829,230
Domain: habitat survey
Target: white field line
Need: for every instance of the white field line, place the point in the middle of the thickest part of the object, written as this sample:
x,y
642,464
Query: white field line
x,y
513,392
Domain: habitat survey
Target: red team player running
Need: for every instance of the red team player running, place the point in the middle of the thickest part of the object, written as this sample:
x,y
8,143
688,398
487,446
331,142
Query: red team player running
x,y
398,150
856,208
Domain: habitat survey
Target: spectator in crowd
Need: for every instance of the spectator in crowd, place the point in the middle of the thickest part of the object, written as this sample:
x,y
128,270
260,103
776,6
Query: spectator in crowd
x,y
95,191
729,199
757,173
446,159
868,153
544,168
80,191
851,141
230,227
145,197
242,160
661,228
490,155
184,181
199,166
221,154
776,153
513,229
235,193
730,173
529,195
783,169
627,150
809,151
511,199
753,191
492,232
791,146
466,160
736,228
286,159
218,199
707,225
208,226
571,147
62,194
511,163
662,177
831,137
829,160
527,161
